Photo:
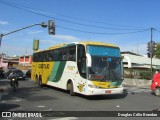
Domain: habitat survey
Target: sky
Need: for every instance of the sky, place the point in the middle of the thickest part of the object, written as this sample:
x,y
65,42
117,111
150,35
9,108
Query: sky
x,y
125,23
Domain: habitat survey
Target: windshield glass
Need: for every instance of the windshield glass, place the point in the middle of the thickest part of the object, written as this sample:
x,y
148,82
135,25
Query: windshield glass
x,y
105,68
106,64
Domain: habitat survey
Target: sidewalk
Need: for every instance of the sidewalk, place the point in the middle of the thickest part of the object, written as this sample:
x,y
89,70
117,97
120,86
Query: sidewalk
x,y
137,82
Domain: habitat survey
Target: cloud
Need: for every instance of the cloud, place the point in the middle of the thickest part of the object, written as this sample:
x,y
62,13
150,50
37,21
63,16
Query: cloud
x,y
48,41
3,22
35,32
66,38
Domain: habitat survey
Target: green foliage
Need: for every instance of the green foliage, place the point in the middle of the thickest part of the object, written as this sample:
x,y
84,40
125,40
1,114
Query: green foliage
x,y
157,50
145,75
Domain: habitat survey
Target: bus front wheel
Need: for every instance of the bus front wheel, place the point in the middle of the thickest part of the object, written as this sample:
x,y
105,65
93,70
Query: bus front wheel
x,y
70,88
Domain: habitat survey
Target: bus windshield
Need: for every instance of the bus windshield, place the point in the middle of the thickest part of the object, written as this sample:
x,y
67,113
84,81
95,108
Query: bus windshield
x,y
106,64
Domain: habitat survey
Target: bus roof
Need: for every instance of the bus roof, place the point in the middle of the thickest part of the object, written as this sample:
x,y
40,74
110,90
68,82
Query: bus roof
x,y
98,43
83,43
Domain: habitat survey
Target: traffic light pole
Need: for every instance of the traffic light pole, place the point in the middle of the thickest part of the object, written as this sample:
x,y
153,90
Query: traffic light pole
x,y
43,24
19,29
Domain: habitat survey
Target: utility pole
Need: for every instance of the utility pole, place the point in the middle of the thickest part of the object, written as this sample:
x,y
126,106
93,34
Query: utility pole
x,y
152,48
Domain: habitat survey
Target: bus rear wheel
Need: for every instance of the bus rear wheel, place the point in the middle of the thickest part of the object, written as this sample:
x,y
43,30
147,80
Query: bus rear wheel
x,y
70,88
40,82
36,80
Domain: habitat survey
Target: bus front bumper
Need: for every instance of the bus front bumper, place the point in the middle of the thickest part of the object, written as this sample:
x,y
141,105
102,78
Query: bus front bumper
x,y
100,91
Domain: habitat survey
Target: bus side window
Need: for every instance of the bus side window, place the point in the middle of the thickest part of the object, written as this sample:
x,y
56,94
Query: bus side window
x,y
72,53
48,56
81,60
56,55
41,57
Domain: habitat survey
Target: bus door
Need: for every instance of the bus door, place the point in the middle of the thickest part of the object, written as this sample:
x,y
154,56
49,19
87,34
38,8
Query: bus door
x,y
81,61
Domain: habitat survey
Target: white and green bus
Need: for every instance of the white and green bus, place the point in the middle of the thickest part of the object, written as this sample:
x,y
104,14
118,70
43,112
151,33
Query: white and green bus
x,y
88,68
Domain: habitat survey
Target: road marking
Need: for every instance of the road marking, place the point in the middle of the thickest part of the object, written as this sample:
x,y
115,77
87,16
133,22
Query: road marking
x,y
17,100
41,106
3,101
65,118
117,106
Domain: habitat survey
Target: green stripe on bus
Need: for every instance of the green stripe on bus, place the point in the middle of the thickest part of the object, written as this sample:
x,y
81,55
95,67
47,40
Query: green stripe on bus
x,y
116,83
57,71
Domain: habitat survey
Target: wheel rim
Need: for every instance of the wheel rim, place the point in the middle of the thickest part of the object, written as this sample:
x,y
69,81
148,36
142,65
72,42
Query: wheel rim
x,y
157,91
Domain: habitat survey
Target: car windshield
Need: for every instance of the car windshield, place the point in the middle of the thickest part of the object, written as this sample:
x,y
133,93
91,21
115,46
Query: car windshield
x,y
105,68
19,72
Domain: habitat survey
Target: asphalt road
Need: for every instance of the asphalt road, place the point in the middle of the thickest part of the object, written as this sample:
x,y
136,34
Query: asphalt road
x,y
30,97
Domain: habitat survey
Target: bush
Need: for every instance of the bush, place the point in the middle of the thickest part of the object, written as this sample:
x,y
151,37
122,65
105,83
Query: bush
x,y
145,75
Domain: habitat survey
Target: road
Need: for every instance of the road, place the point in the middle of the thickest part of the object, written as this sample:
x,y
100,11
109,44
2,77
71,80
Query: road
x,y
30,97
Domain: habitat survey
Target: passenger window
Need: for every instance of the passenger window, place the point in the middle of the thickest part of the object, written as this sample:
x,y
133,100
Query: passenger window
x,y
72,53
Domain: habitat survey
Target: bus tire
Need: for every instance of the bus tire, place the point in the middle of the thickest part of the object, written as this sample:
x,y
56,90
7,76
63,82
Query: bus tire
x,y
36,80
40,82
71,88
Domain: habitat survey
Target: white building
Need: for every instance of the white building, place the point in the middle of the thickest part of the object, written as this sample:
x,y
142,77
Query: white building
x,y
134,63
132,60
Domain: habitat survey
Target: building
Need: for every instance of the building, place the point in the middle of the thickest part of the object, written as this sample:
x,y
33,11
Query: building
x,y
3,65
11,62
25,62
134,63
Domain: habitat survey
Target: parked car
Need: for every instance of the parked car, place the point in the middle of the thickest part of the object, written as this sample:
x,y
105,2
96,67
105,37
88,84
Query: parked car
x,y
21,75
28,73
155,86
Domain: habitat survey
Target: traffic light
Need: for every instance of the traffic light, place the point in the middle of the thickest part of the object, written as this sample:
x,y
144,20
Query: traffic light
x,y
148,54
51,27
151,48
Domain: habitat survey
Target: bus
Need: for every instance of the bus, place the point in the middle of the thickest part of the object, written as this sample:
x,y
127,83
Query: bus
x,y
87,68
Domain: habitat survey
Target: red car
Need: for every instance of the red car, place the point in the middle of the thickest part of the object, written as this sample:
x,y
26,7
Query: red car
x,y
155,86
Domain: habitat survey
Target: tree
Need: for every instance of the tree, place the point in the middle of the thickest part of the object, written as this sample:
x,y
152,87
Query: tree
x,y
157,50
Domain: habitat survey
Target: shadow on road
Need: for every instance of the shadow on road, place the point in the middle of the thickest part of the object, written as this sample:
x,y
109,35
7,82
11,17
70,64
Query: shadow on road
x,y
7,107
27,90
34,93
105,97
30,94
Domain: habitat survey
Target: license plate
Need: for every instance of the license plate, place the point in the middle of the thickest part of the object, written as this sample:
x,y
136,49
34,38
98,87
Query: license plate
x,y
108,91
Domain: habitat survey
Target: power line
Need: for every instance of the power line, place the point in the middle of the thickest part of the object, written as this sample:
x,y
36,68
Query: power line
x,y
74,17
102,32
138,30
156,29
33,11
